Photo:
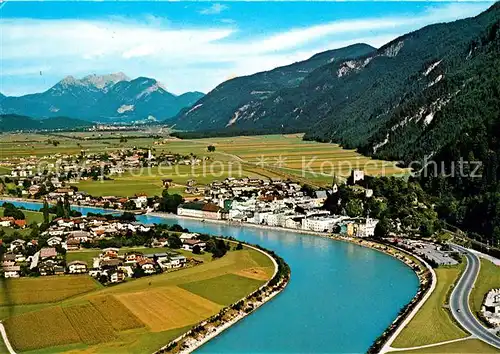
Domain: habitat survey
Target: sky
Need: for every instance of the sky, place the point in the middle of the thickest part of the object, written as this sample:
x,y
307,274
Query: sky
x,y
192,46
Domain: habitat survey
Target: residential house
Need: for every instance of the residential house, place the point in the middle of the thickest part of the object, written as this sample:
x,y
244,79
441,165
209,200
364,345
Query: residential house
x,y
82,236
6,221
20,223
12,271
189,245
77,267
109,253
133,257
111,263
48,253
178,261
202,210
72,244
54,241
147,265
161,242
188,235
17,245
141,201
116,276
47,267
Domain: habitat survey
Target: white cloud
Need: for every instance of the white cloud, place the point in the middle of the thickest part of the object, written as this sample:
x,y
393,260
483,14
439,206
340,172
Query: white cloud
x,y
184,59
215,9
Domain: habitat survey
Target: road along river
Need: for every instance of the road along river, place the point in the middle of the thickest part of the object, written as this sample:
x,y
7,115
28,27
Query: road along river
x,y
341,296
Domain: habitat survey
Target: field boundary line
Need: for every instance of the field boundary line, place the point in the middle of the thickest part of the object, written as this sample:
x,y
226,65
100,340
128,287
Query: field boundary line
x,y
431,345
6,339
221,328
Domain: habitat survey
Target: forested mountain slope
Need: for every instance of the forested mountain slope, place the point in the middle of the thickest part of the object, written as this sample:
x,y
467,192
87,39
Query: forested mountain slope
x,y
394,102
464,169
230,101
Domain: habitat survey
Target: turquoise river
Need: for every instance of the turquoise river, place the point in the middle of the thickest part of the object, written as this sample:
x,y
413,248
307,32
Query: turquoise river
x,y
340,298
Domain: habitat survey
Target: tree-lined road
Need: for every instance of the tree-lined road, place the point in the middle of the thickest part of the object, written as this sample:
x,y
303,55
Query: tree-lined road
x,y
459,300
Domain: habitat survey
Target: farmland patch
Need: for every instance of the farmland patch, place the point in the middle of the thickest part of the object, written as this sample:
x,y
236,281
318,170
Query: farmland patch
x,y
45,328
45,289
167,308
89,324
115,313
225,289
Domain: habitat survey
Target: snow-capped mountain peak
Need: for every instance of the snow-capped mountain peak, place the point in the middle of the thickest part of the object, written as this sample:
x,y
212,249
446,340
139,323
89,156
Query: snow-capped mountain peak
x,y
93,81
104,81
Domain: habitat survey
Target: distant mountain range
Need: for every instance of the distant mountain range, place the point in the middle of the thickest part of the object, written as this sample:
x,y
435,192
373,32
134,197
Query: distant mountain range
x,y
13,122
106,98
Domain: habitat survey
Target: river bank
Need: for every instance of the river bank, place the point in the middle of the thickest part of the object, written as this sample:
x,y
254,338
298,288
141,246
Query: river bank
x,y
425,273
241,230
230,315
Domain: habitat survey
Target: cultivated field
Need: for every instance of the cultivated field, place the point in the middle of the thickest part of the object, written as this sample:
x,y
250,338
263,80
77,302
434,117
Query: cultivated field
x,y
134,317
46,327
90,324
169,307
117,314
289,153
215,288
267,156
433,323
28,291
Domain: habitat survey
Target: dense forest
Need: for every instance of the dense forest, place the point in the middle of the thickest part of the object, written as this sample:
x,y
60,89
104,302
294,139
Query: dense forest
x,y
467,179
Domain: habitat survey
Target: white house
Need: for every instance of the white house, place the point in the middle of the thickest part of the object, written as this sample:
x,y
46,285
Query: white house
x,y
147,265
116,276
188,236
318,224
11,271
177,261
189,245
17,244
77,267
54,240
141,201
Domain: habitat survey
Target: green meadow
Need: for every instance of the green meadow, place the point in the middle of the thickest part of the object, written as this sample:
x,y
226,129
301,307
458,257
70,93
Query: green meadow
x,y
141,315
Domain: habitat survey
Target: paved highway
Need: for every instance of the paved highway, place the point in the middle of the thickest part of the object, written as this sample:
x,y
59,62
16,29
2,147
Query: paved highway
x,y
459,301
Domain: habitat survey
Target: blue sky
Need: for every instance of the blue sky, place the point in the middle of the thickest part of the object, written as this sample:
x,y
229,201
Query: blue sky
x,y
191,46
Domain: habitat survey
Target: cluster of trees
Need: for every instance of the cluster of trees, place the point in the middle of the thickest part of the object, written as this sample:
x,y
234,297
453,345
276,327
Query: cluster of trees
x,y
217,247
53,142
62,209
169,202
12,211
398,203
